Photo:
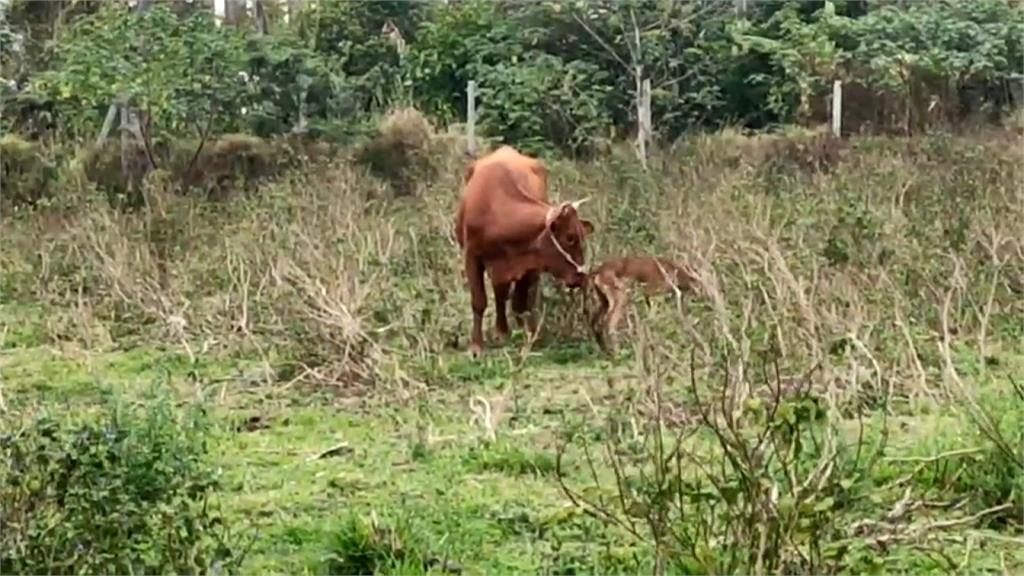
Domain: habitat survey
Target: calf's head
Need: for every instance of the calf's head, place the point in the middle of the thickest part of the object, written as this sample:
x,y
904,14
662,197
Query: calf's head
x,y
562,244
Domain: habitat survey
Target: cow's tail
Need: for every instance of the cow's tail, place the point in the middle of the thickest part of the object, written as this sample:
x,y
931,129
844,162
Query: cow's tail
x,y
458,231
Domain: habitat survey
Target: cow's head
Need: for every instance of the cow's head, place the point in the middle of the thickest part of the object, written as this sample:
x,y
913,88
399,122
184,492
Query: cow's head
x,y
562,243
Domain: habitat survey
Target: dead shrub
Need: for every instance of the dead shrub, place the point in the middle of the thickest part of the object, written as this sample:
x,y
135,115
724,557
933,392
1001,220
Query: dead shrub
x,y
217,167
222,162
26,174
402,151
816,150
103,166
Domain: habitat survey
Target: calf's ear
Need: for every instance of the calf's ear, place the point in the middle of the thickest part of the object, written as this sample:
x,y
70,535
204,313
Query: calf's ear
x,y
588,227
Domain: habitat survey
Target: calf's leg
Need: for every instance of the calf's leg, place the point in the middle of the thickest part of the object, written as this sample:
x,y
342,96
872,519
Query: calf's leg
x,y
597,317
478,300
619,300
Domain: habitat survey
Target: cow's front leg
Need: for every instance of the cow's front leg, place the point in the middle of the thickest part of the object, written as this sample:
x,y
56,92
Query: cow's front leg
x,y
478,300
524,300
501,290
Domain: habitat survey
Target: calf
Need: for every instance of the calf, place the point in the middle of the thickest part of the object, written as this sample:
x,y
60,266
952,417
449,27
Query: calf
x,y
613,279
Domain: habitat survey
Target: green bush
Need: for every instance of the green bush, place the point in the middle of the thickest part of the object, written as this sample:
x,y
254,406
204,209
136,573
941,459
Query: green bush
x,y
185,72
126,491
372,547
544,102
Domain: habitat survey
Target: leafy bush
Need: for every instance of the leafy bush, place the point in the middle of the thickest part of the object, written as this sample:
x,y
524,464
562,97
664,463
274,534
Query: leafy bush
x,y
544,101
348,34
183,72
937,56
126,491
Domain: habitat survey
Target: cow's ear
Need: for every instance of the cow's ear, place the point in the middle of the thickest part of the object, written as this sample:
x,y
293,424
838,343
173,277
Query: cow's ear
x,y
588,227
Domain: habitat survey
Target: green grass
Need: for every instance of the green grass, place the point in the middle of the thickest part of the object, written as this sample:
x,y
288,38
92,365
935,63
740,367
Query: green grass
x,y
450,499
490,507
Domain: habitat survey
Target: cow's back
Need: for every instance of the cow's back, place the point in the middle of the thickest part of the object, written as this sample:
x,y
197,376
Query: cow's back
x,y
504,201
534,170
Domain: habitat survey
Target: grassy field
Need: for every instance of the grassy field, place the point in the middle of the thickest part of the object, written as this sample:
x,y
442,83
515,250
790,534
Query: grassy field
x,y
843,401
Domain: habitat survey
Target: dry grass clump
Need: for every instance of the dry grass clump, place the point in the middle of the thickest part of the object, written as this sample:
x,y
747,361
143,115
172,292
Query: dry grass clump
x,y
215,168
26,174
402,151
813,150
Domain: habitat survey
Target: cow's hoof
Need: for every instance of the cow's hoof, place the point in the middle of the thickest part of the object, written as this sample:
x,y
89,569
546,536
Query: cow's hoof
x,y
500,337
476,351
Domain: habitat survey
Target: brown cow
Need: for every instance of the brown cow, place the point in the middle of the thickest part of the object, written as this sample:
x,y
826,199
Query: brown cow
x,y
613,279
506,226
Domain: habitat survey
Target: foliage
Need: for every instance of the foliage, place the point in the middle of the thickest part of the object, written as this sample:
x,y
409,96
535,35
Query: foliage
x,y
125,491
183,72
349,35
803,56
552,75
951,41
451,48
289,81
543,100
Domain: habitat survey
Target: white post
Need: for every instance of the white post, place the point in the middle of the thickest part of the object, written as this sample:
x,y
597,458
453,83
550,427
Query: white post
x,y
471,117
643,119
837,108
108,123
220,10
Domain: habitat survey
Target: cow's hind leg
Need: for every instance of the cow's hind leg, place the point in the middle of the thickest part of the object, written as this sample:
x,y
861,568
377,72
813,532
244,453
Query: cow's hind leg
x,y
478,300
524,299
500,319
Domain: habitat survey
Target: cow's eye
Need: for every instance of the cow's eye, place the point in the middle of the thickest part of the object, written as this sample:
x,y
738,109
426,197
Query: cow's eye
x,y
572,239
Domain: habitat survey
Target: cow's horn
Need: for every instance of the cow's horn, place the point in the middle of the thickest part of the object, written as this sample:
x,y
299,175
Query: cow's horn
x,y
552,215
577,203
